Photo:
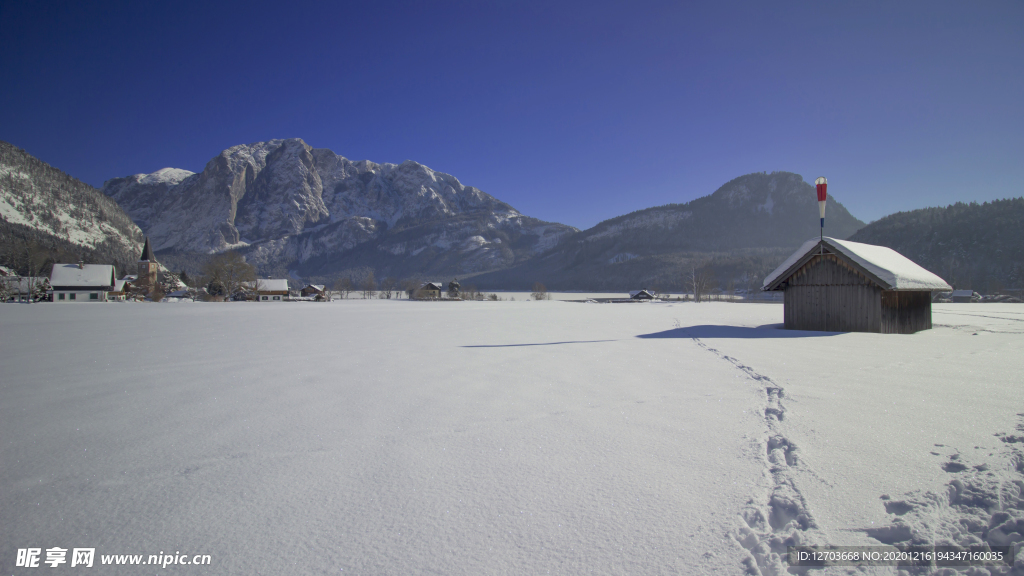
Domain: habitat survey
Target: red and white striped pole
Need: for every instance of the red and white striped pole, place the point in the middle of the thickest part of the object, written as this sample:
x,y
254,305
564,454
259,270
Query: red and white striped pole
x,y
822,185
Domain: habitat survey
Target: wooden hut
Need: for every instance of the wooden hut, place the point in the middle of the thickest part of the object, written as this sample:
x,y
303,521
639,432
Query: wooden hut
x,y
842,286
428,291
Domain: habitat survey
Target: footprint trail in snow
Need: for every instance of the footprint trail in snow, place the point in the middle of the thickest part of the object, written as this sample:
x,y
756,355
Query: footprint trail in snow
x,y
778,518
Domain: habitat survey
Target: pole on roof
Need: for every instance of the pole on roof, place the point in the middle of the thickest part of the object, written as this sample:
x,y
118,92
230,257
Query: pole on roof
x,y
822,185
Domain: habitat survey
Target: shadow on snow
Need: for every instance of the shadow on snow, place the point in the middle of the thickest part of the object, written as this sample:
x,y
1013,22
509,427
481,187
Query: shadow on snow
x,y
717,331
537,344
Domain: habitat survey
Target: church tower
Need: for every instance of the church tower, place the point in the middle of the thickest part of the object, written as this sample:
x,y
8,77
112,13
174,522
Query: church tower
x,y
148,268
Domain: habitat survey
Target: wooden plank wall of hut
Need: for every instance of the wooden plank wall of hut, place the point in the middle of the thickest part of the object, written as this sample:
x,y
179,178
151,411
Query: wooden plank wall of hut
x,y
906,312
826,294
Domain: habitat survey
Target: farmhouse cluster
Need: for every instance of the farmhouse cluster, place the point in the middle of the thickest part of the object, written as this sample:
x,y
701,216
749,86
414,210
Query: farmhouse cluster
x,y
81,282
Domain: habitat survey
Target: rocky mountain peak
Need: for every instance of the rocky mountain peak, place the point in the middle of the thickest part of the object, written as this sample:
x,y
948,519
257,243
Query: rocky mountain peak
x,y
288,203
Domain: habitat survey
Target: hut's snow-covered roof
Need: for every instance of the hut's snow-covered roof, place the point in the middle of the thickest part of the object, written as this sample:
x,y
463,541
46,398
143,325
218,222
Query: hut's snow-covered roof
x,y
89,275
892,269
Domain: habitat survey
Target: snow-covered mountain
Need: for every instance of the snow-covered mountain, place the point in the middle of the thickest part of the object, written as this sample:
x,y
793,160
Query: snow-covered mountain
x,y
47,212
290,206
741,230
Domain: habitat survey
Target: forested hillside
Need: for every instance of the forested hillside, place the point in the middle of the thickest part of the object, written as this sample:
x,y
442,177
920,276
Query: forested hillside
x,y
47,215
976,246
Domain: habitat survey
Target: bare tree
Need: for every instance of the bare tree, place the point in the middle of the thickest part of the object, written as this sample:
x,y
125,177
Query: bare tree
x,y
698,281
195,292
387,286
251,290
6,293
369,286
228,272
36,257
540,292
137,291
410,287
344,285
327,295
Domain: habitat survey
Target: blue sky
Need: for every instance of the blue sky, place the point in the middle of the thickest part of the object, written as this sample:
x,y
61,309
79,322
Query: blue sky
x,y
571,112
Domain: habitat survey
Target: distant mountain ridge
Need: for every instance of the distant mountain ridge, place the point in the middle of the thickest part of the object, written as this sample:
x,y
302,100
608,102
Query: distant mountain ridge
x,y
44,210
294,209
291,207
739,230
975,246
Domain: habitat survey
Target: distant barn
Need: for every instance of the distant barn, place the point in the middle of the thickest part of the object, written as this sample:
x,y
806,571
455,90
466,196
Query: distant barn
x,y
962,296
842,286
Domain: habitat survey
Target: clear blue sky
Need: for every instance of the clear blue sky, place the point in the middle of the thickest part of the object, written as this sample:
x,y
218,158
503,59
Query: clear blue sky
x,y
571,112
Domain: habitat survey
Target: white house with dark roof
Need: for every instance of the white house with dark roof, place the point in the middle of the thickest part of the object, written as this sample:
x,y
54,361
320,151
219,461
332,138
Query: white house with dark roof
x,y
82,282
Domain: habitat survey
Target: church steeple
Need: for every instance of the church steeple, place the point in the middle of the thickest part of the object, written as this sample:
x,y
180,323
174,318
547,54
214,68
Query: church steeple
x,y
148,269
147,253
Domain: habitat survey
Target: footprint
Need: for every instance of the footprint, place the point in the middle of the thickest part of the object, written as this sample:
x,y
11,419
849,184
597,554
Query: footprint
x,y
953,467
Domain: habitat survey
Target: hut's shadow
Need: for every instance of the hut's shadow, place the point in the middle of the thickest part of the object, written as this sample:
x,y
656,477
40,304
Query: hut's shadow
x,y
718,331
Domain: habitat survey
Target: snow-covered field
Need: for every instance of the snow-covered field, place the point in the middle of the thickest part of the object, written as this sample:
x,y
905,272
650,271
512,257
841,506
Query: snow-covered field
x,y
467,438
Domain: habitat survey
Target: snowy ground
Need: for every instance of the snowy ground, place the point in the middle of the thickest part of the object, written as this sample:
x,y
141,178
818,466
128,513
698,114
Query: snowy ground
x,y
398,437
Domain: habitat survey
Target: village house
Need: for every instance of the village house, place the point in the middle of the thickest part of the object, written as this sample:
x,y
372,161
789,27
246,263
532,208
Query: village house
x,y
21,288
120,290
313,290
842,286
82,282
642,295
428,290
271,290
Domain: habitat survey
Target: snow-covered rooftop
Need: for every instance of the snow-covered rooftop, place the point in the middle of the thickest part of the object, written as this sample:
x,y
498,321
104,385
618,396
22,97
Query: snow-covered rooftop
x,y
91,275
894,270
273,285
